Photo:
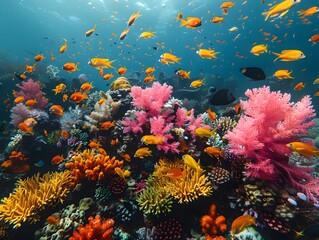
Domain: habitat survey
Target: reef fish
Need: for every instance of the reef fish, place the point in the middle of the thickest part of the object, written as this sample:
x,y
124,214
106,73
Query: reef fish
x,y
304,149
254,73
280,9
289,55
221,97
143,152
240,223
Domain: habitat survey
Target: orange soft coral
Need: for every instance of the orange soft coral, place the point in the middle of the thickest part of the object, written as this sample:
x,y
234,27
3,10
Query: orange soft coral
x,y
15,163
92,165
211,223
95,229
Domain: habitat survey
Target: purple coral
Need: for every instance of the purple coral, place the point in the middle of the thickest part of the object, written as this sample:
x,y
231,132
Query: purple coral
x,y
32,90
270,121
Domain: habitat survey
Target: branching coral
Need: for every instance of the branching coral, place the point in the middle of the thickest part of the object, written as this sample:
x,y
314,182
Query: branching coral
x,y
270,121
102,112
211,223
95,229
92,165
34,194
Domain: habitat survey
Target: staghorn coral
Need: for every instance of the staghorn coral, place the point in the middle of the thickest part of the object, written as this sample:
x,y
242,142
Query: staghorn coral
x,y
95,229
155,199
102,112
34,194
92,165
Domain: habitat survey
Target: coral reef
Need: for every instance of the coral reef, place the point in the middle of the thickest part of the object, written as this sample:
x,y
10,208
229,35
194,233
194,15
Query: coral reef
x,y
32,90
20,112
95,229
120,83
92,165
169,229
32,195
117,185
102,112
16,163
212,223
272,121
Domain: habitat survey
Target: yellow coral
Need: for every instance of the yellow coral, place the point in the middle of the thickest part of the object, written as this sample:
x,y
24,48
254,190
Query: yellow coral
x,y
33,194
120,83
155,199
92,165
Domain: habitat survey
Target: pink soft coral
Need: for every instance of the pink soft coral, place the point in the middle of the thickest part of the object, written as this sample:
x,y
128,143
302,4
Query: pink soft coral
x,y
151,99
32,90
269,122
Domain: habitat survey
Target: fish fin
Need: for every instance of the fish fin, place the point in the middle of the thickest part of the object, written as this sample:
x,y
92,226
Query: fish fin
x,y
267,14
277,54
283,13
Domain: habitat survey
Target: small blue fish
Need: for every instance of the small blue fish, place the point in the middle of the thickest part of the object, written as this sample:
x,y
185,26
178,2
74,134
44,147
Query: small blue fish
x,y
292,201
302,196
39,163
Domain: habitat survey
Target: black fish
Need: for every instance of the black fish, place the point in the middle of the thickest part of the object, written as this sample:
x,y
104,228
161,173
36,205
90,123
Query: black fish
x,y
155,48
222,97
253,73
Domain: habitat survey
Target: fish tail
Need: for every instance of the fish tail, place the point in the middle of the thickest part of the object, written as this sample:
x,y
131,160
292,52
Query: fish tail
x,y
267,14
188,75
277,54
266,48
183,22
85,95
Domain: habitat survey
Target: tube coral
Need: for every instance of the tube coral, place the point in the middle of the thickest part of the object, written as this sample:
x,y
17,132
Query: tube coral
x,y
34,194
92,165
272,121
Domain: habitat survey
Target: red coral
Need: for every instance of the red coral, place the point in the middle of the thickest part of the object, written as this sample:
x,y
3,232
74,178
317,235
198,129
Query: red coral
x,y
32,90
211,223
269,122
95,229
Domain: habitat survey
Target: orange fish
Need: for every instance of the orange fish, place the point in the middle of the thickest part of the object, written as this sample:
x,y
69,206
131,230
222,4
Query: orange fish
x,y
241,223
19,99
78,97
101,151
57,159
24,128
30,69
126,157
183,74
133,17
94,144
176,173
191,22
316,94
89,32
65,97
31,102
59,88
149,78
107,125
108,76
314,39
114,141
214,152
211,114
237,108
70,67
57,109
86,86
30,122
149,70
64,134
299,86
217,19
39,57
179,16
64,47
121,70
124,33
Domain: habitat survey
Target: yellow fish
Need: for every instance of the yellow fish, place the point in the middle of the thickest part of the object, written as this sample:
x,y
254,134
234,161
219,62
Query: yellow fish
x,y
207,53
147,35
289,55
151,139
316,81
170,58
190,161
259,49
280,9
304,149
59,88
197,83
204,132
241,223
143,152
283,74
100,63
